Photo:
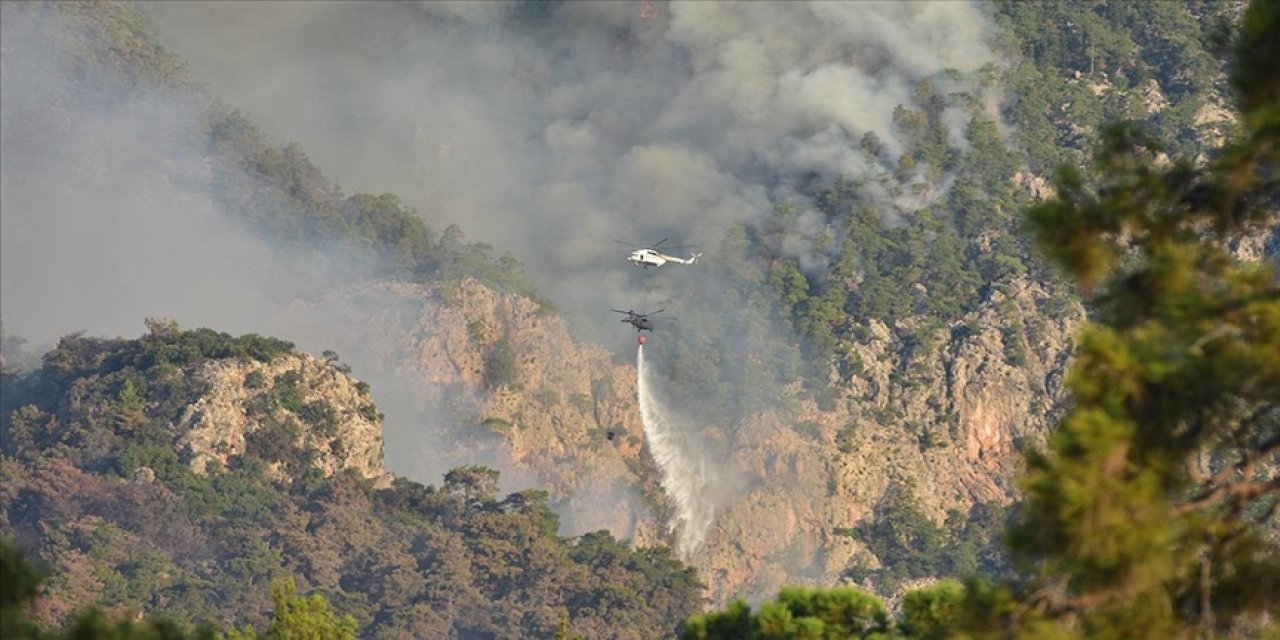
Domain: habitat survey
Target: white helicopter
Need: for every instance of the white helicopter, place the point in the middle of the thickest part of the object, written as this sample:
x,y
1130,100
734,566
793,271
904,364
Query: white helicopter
x,y
650,256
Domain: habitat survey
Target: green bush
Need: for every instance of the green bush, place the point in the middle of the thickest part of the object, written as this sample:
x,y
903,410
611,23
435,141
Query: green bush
x,y
255,380
286,391
501,368
320,416
274,441
370,412
496,424
810,430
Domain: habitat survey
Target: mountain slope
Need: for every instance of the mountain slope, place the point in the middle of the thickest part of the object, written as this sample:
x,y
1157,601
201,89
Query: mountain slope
x,y
180,473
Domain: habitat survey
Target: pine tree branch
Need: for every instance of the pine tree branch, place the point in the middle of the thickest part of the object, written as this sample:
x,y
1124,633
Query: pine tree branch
x,y
1206,599
1089,600
1238,493
1214,488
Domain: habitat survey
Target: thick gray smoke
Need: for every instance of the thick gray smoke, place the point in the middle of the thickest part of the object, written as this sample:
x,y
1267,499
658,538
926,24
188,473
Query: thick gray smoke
x,y
106,217
548,128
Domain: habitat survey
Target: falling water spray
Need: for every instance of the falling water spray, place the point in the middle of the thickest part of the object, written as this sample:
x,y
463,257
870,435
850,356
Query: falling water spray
x,y
685,472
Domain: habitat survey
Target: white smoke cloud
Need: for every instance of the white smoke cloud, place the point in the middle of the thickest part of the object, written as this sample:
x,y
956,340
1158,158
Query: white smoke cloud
x,y
540,127
105,216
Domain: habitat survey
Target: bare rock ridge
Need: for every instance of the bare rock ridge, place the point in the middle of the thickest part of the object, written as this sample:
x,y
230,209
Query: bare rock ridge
x,y
333,413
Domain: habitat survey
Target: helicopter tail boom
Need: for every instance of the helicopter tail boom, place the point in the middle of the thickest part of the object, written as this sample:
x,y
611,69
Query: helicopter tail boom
x,y
690,260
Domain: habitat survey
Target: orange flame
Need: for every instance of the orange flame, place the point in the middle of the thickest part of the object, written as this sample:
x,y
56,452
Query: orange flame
x,y
648,10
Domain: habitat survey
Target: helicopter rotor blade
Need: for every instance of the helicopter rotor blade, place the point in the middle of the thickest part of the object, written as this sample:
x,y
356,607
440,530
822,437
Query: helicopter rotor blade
x,y
629,244
621,311
655,245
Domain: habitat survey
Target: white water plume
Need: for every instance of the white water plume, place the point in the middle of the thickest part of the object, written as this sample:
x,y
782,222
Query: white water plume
x,y
686,477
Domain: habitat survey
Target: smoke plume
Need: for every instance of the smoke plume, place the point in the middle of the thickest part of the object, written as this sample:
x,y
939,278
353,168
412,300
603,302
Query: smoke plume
x,y
548,128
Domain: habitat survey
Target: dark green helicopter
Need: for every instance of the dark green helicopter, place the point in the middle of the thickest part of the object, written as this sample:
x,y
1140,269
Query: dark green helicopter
x,y
640,321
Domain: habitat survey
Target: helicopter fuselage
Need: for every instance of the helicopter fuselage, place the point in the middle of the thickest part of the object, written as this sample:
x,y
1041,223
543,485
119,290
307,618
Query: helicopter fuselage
x,y
640,323
650,258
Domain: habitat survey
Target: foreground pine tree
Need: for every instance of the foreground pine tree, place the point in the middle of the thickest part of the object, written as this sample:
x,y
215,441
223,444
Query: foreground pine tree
x,y
1152,512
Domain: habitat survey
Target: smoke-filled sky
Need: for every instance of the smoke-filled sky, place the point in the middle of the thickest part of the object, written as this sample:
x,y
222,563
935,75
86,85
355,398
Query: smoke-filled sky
x,y
105,213
547,129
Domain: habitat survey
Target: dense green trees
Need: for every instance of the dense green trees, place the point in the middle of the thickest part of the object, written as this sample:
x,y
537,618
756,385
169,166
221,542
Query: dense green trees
x,y
1079,65
297,617
294,617
909,546
797,613
840,613
1075,66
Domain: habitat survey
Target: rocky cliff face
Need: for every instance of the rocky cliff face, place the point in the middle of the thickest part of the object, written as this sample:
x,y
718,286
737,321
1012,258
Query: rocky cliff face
x,y
332,412
469,371
946,410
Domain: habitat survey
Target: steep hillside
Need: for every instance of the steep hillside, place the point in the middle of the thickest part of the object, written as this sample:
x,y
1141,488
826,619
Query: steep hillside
x,y
322,410
180,473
